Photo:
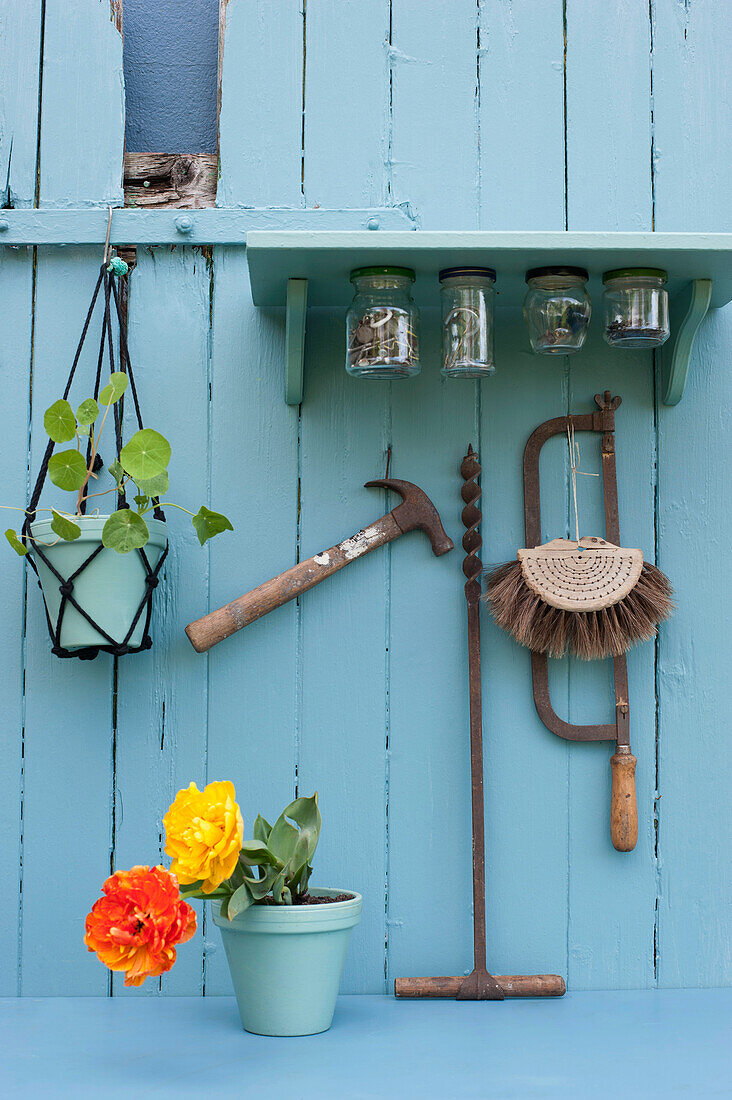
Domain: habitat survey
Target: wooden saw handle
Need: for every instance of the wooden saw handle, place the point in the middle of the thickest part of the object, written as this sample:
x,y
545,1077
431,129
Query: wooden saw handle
x,y
216,626
623,806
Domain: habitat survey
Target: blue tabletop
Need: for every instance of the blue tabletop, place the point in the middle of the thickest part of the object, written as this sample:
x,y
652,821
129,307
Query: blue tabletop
x,y
622,1045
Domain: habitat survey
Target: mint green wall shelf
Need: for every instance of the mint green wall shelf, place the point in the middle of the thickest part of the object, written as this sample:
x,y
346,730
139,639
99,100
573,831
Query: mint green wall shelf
x,y
301,268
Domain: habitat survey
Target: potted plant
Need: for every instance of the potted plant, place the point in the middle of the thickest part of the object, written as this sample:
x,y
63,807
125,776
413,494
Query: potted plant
x,y
96,590
285,943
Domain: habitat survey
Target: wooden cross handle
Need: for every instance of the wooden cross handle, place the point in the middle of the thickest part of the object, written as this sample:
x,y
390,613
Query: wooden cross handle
x,y
513,985
623,805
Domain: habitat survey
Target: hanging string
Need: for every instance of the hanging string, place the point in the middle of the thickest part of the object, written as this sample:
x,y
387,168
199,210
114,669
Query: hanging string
x,y
574,465
106,242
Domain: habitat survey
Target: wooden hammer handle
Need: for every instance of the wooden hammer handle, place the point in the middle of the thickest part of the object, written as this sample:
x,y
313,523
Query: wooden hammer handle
x,y
216,626
513,985
623,806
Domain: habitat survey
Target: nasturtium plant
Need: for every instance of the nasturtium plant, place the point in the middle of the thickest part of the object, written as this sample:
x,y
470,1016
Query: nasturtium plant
x,y
141,465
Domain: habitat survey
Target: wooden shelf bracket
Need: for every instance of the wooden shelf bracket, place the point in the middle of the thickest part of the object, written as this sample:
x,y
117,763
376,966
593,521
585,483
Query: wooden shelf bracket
x,y
687,310
296,313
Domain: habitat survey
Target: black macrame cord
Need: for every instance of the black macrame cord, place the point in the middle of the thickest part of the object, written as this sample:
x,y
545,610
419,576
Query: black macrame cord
x,y
66,584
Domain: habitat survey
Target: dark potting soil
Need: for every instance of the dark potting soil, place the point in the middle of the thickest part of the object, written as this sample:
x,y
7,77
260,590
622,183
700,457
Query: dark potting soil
x,y
314,899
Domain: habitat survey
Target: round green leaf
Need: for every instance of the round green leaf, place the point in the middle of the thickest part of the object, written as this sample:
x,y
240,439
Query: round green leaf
x,y
208,524
146,455
114,389
59,421
125,530
67,470
15,542
65,528
154,486
116,471
87,411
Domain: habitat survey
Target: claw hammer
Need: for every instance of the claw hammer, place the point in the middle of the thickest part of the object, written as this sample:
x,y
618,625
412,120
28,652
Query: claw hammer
x,y
415,511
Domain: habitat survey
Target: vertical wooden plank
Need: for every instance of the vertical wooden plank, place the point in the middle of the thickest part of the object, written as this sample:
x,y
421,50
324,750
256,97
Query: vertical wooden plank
x,y
66,810
521,91
261,105
20,37
66,806
83,105
346,134
434,167
608,69
611,895
521,115
694,151
433,147
342,732
16,271
341,742
162,694
254,480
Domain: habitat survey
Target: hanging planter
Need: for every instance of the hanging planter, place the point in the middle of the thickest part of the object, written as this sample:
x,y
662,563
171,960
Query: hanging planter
x,y
98,571
109,600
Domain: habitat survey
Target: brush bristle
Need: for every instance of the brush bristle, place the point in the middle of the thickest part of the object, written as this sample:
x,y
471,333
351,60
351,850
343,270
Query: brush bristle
x,y
589,635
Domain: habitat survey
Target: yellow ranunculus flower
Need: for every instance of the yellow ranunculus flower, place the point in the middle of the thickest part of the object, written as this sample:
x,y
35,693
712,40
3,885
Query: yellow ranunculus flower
x,y
203,834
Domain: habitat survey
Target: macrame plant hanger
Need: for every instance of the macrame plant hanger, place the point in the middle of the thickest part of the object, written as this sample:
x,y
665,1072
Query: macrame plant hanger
x,y
118,647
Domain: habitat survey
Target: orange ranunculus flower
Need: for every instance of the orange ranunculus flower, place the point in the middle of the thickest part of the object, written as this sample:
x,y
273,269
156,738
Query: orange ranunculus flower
x,y
137,923
203,834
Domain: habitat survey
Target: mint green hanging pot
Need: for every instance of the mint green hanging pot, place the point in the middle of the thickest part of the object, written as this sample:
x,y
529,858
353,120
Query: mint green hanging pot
x,y
286,962
110,587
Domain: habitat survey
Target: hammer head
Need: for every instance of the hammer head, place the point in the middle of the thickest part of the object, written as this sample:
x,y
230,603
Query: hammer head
x,y
416,510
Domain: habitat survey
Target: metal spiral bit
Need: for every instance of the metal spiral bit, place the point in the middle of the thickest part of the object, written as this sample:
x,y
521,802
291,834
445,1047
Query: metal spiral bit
x,y
471,517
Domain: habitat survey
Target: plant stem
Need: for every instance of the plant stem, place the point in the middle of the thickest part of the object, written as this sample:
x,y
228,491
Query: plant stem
x,y
95,444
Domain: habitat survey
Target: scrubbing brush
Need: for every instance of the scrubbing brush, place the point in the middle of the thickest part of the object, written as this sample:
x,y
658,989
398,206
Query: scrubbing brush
x,y
587,597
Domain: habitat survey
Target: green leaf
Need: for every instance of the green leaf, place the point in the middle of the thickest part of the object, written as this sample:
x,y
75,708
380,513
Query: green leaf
x,y
115,469
114,389
82,430
59,421
277,887
260,887
225,905
154,486
305,813
87,411
283,840
125,530
146,455
256,854
67,470
262,829
208,524
64,528
15,542
240,900
141,502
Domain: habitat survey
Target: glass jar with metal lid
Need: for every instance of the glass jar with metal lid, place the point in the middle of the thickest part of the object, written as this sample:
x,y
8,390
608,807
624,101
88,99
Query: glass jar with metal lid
x,y
557,309
382,324
635,306
467,321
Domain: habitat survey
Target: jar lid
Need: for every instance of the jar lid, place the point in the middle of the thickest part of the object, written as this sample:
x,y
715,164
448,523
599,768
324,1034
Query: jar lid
x,y
639,272
456,272
538,272
402,272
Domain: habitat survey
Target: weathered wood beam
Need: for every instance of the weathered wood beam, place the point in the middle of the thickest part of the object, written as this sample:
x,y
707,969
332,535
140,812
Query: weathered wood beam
x,y
173,181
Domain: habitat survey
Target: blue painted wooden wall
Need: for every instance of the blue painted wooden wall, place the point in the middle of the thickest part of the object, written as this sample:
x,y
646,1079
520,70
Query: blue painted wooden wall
x,y
506,114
